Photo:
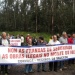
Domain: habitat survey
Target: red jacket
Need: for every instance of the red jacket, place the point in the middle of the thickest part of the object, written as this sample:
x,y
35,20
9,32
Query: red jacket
x,y
28,37
70,40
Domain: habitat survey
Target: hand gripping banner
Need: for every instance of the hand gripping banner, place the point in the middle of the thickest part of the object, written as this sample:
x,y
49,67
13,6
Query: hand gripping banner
x,y
35,54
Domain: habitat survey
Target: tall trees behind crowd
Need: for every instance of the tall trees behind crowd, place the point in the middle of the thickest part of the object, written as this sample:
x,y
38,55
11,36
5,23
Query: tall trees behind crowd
x,y
37,15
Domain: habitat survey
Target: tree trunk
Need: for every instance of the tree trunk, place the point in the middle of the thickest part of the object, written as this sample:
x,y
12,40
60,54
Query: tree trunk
x,y
36,14
73,13
52,17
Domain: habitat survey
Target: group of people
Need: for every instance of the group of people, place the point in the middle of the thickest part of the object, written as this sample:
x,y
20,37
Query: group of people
x,y
54,40
30,41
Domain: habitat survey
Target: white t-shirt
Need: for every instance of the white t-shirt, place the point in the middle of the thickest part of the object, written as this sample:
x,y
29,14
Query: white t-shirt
x,y
5,42
51,42
22,39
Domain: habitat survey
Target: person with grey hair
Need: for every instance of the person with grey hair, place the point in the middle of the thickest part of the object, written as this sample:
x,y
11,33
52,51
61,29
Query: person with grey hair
x,y
63,40
4,41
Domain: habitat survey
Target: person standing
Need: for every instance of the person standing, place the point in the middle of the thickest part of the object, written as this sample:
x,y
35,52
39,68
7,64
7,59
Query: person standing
x,y
34,41
58,36
18,36
53,65
70,41
41,42
28,67
73,38
28,37
22,40
5,42
73,35
63,40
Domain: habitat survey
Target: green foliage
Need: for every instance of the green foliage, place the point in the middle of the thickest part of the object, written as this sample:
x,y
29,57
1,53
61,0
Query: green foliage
x,y
45,35
29,16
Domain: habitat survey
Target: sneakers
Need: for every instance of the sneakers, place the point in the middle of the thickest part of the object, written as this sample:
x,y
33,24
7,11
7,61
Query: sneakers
x,y
65,67
61,69
42,70
31,72
3,73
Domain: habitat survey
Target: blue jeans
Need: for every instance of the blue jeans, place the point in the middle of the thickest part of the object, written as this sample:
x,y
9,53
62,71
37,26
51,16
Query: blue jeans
x,y
39,66
28,68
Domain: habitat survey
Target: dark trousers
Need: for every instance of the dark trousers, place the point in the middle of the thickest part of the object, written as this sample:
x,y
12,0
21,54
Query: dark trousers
x,y
4,68
41,65
72,60
53,66
22,44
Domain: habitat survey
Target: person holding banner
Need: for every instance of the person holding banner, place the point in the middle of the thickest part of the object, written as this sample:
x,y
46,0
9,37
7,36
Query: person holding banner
x,y
70,41
28,37
4,42
73,60
53,65
28,67
41,42
63,40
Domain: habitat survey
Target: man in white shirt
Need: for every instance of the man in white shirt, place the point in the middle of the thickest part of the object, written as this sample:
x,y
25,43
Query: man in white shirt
x,y
5,42
54,41
53,65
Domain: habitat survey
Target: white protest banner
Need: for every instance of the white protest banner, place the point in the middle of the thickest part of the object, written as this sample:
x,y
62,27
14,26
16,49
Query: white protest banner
x,y
15,42
31,55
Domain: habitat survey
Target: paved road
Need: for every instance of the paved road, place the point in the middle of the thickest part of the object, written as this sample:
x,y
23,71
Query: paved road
x,y
19,70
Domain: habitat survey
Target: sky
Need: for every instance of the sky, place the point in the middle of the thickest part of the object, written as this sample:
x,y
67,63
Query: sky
x,y
39,2
1,4
1,0
21,0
